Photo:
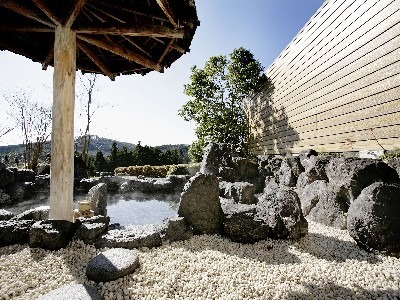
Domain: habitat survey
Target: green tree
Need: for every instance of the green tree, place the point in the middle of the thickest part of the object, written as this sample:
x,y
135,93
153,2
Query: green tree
x,y
216,100
100,163
113,157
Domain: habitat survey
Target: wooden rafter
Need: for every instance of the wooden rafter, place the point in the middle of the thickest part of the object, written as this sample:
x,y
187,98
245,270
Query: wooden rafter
x,y
134,12
167,49
179,48
106,13
130,41
26,28
46,10
168,11
121,51
48,59
96,60
23,11
135,30
74,13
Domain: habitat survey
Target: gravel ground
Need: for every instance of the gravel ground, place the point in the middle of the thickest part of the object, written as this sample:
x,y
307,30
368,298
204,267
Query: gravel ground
x,y
326,264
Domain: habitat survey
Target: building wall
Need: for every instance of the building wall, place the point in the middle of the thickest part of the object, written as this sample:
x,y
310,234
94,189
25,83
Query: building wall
x,y
336,86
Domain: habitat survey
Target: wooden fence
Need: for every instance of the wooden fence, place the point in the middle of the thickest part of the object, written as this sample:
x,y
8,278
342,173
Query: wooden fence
x,y
336,86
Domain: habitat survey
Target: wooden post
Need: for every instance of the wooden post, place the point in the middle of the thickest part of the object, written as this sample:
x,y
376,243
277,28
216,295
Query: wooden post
x,y
62,137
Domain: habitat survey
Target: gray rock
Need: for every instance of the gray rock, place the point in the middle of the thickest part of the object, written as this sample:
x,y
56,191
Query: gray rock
x,y
282,213
241,192
178,181
200,205
269,165
395,164
90,232
215,156
6,177
87,183
240,225
112,264
315,170
5,215
352,175
130,237
332,207
311,194
14,232
23,191
373,218
246,170
37,214
24,175
97,196
5,198
175,229
51,234
73,292
289,171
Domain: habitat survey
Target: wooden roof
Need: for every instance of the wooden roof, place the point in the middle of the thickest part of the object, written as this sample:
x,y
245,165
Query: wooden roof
x,y
113,37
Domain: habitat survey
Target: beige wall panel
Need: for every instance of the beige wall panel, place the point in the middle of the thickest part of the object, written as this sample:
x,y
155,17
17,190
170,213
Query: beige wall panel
x,y
337,79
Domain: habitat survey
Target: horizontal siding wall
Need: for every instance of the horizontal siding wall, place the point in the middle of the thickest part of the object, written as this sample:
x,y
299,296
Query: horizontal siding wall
x,y
336,86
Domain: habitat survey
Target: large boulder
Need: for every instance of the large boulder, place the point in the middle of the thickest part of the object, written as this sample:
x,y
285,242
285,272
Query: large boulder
x,y
51,234
269,165
373,218
281,211
240,224
245,170
22,191
240,192
97,196
215,156
311,195
24,175
352,175
200,204
314,170
112,264
6,177
332,206
14,232
289,171
175,229
5,199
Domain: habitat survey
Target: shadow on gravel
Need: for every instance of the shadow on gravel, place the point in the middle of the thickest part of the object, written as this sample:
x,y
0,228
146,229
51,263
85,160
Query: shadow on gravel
x,y
333,291
274,252
332,249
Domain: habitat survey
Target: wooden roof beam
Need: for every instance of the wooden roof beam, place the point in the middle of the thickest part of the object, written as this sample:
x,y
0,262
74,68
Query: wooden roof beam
x,y
23,11
179,48
46,10
74,13
26,28
130,41
167,49
134,30
48,59
96,60
168,11
121,51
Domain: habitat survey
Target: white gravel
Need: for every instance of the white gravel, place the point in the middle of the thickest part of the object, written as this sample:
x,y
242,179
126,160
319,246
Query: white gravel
x,y
326,264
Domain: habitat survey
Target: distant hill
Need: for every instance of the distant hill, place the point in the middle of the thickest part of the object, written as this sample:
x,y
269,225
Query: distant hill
x,y
96,143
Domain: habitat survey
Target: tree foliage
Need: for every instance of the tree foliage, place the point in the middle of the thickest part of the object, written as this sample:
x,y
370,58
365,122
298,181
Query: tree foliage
x,y
216,99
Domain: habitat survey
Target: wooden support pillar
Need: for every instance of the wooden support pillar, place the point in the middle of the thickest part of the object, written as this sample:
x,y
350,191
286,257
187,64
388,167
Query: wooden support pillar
x,y
62,137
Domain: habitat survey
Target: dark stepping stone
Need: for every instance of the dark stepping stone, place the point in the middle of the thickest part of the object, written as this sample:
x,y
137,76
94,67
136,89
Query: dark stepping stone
x,y
112,264
51,234
72,292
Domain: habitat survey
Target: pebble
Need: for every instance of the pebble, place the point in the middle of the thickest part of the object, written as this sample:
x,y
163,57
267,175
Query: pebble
x,y
327,264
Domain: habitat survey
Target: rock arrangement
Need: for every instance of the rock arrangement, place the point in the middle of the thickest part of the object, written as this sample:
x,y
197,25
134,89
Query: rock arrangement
x,y
325,264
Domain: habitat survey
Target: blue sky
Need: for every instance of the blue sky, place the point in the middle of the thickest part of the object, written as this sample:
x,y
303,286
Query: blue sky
x,y
144,108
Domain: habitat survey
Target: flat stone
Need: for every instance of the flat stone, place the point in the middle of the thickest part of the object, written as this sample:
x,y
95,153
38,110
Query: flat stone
x,y
37,214
14,232
112,264
175,229
130,237
72,292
